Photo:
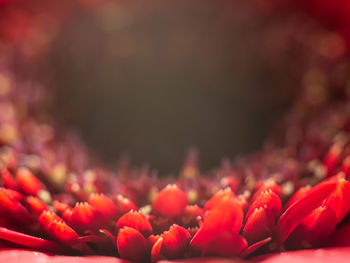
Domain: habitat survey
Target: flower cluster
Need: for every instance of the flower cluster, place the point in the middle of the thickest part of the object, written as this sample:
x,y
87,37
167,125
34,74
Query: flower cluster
x,y
293,194
54,198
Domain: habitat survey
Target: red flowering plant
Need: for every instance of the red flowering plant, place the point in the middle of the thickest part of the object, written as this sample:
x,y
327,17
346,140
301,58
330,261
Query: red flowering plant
x,y
289,202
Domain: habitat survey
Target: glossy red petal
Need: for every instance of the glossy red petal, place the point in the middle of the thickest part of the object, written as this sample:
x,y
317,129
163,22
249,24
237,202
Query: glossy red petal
x,y
156,251
269,200
298,194
339,199
36,205
29,241
153,239
60,231
28,182
175,242
217,198
226,244
137,221
268,185
259,225
104,205
314,229
46,218
227,216
12,209
170,202
85,217
294,215
132,245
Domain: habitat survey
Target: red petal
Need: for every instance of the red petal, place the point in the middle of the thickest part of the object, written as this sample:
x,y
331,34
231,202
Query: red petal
x,y
28,182
124,204
269,185
29,241
60,207
85,217
269,200
135,220
302,207
227,216
132,245
339,199
36,205
259,225
12,209
153,239
170,202
8,180
46,218
175,242
217,198
226,244
249,250
156,251
314,229
332,158
104,205
298,194
60,231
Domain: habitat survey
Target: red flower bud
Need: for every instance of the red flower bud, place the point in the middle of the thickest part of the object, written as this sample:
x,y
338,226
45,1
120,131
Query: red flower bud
x,y
269,200
226,216
217,198
132,245
60,231
314,229
170,202
36,205
28,182
298,194
269,185
135,220
339,199
294,215
104,205
46,218
85,217
11,209
175,242
259,225
124,204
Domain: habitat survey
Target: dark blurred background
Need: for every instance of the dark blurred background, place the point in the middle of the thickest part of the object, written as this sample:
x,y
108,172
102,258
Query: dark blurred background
x,y
151,79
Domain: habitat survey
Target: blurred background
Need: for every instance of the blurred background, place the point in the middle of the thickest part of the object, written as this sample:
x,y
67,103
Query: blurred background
x,y
152,79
